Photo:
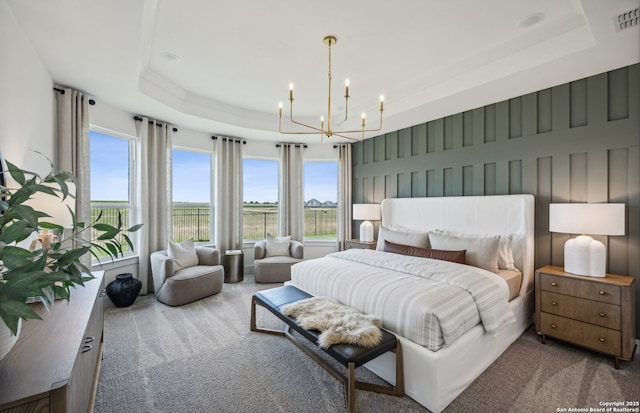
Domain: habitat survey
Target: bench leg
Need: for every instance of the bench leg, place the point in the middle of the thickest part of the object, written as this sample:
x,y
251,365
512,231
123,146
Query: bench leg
x,y
253,326
398,389
351,388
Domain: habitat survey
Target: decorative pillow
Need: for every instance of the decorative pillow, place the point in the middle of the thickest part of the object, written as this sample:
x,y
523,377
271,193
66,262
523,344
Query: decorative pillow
x,y
183,254
277,246
453,256
404,237
505,253
482,251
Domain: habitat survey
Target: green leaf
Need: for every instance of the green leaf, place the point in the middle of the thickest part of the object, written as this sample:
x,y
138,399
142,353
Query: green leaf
x,y
16,173
16,232
105,228
15,257
11,311
135,228
126,238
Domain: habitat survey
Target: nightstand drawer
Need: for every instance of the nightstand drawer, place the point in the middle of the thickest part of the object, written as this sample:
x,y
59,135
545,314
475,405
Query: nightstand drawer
x,y
583,288
594,312
597,338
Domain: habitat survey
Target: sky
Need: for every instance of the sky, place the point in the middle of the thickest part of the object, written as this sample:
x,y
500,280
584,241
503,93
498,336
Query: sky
x,y
191,178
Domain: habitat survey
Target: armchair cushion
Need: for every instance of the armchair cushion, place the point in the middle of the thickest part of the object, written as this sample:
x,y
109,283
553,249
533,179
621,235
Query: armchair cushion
x,y
277,246
183,254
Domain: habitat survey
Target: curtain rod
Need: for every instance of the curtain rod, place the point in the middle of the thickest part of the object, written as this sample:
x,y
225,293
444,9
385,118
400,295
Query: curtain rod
x,y
297,145
139,119
62,92
230,139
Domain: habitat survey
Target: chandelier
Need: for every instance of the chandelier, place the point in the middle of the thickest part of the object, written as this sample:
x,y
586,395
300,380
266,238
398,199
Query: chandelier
x,y
326,129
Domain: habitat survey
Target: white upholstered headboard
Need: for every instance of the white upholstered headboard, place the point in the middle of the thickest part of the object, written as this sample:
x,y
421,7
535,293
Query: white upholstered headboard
x,y
490,215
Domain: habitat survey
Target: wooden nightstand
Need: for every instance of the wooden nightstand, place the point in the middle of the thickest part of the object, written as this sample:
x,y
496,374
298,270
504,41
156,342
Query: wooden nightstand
x,y
356,243
594,312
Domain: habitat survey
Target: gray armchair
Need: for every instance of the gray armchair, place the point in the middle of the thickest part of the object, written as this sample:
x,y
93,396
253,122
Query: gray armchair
x,y
187,284
278,268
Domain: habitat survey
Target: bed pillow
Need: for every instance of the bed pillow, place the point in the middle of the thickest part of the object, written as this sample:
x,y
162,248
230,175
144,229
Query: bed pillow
x,y
453,256
277,246
505,252
404,237
482,251
183,254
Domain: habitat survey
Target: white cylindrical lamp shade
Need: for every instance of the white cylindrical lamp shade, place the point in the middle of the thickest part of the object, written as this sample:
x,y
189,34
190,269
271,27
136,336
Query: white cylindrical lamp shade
x,y
366,212
583,255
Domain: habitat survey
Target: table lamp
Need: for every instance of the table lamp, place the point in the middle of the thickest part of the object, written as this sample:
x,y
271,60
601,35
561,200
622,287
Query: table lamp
x,y
366,212
583,255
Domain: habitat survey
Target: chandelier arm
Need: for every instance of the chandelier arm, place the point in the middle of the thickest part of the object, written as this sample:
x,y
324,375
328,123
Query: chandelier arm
x,y
346,137
309,126
298,133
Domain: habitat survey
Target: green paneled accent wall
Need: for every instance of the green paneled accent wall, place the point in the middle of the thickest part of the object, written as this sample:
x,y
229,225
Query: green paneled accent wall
x,y
575,142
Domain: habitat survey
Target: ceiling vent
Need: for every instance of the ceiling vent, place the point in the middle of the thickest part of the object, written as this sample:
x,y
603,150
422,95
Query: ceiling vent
x,y
627,20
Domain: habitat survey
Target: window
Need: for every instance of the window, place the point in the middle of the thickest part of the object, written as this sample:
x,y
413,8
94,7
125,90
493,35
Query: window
x,y
321,200
111,163
191,184
260,195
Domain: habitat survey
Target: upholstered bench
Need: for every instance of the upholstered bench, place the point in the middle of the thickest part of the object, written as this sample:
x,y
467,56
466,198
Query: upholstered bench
x,y
349,355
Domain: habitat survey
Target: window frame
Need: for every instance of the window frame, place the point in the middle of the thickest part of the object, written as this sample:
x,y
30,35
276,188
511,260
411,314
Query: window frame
x,y
212,181
133,184
261,158
333,161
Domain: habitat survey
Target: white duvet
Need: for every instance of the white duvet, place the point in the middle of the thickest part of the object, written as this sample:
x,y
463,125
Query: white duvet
x,y
430,302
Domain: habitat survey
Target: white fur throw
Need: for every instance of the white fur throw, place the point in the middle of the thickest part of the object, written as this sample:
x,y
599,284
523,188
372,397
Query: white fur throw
x,y
336,322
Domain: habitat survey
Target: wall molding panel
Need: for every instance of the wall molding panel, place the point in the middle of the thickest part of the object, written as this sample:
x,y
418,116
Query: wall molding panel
x,y
576,142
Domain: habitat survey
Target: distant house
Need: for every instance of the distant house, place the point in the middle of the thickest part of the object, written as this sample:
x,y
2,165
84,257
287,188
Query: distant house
x,y
315,203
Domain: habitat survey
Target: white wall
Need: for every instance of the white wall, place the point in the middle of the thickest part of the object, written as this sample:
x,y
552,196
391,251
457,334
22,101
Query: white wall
x,y
27,110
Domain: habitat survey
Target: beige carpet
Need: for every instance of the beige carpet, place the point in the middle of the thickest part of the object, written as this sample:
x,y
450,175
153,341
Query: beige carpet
x,y
201,357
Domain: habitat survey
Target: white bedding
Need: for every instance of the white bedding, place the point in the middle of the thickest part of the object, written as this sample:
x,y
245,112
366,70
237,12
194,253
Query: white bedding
x,y
430,302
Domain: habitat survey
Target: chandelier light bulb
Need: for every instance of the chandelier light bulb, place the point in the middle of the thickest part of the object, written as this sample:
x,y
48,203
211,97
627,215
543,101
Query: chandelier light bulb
x,y
346,83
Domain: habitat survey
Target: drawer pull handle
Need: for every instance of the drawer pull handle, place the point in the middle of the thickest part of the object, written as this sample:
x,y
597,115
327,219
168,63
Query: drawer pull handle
x,y
89,339
102,292
602,340
554,303
554,284
602,314
602,293
553,326
86,347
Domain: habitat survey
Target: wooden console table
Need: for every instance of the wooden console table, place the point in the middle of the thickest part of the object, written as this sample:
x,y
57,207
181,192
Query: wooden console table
x,y
54,365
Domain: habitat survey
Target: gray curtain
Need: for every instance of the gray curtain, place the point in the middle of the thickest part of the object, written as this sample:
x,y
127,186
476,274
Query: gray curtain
x,y
344,195
228,193
291,192
154,197
72,149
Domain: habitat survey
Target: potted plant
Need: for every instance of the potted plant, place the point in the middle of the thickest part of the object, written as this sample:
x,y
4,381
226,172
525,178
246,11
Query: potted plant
x,y
48,271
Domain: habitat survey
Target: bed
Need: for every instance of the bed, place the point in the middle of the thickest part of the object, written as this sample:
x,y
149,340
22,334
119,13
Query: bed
x,y
444,359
